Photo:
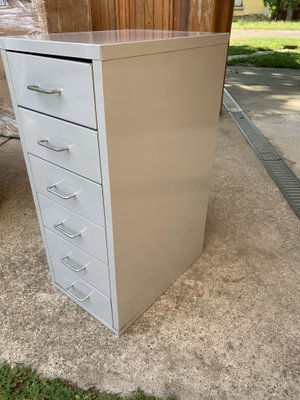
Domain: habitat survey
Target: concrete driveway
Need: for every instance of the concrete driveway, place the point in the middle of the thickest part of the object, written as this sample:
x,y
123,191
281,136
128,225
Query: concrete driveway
x,y
227,329
271,97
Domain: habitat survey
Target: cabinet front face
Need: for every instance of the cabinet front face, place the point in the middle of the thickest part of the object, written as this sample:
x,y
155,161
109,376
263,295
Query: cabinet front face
x,y
55,105
119,153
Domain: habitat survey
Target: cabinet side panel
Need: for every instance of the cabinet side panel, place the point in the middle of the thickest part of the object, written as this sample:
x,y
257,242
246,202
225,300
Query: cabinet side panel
x,y
161,114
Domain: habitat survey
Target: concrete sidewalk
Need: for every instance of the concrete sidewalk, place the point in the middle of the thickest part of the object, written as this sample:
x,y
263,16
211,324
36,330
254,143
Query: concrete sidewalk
x,y
227,329
246,33
271,97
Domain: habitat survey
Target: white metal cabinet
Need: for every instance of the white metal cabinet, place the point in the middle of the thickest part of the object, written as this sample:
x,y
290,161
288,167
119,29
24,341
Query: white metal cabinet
x,y
153,99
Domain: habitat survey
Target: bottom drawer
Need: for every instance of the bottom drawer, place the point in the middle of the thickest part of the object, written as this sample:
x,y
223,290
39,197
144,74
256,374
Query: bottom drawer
x,y
83,294
82,264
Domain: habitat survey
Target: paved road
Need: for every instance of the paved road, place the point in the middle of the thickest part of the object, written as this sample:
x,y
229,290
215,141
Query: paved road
x,y
243,33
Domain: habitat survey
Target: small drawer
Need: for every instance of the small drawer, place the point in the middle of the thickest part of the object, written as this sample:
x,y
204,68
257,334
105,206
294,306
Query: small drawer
x,y
68,145
80,263
85,295
69,190
58,87
73,228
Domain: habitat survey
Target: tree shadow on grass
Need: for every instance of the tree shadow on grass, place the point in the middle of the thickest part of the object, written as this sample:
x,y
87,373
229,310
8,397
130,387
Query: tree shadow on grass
x,y
235,50
274,60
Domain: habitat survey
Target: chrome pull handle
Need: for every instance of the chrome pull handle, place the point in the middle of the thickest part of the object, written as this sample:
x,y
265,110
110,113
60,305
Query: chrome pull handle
x,y
37,88
59,228
80,299
45,143
57,193
72,265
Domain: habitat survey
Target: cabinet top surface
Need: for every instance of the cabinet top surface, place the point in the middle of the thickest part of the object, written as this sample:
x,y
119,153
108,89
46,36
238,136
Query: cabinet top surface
x,y
105,45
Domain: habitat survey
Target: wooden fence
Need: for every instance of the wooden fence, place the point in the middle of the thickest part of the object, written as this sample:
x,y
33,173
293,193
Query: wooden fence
x,y
93,15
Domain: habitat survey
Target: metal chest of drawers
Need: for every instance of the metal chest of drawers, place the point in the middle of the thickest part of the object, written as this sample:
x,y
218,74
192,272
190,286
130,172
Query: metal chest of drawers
x,y
118,132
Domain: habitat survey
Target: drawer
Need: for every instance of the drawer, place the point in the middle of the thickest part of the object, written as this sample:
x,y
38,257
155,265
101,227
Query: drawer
x,y
89,298
68,145
80,263
67,85
69,190
74,228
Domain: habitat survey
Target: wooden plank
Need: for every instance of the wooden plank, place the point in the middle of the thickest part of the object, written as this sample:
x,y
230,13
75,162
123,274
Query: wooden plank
x,y
221,16
199,15
62,16
193,11
132,14
171,14
158,14
127,14
181,15
149,14
120,14
204,9
195,15
140,14
95,15
165,14
210,15
104,14
176,15
112,14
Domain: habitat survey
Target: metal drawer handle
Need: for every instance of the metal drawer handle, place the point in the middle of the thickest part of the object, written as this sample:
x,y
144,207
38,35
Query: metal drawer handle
x,y
45,143
73,266
59,228
37,88
57,193
80,299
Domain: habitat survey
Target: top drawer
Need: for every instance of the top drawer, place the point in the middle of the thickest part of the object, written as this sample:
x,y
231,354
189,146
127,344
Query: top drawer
x,y
69,85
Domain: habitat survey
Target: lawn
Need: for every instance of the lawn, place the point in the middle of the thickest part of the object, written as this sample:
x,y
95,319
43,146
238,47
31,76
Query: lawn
x,y
266,25
251,45
21,383
286,52
275,60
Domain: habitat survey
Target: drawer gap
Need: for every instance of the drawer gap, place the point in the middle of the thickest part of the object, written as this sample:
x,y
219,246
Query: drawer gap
x,y
60,119
82,60
66,169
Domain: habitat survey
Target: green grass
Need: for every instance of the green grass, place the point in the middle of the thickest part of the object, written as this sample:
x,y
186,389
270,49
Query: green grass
x,y
266,25
22,383
251,45
274,60
286,52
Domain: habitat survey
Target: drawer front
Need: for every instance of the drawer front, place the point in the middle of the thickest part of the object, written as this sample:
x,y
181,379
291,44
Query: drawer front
x,y
69,190
68,145
72,79
80,263
73,228
89,298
